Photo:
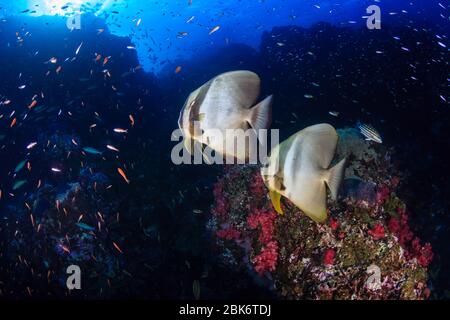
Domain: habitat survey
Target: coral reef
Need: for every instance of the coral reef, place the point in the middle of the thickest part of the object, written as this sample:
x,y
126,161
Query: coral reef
x,y
366,250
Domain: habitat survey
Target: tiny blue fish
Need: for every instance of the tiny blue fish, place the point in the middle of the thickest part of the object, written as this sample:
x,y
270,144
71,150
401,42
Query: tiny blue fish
x,y
92,150
84,226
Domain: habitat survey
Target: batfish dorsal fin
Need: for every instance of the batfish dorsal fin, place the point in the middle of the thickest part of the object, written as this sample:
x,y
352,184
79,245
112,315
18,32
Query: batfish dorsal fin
x,y
239,88
321,144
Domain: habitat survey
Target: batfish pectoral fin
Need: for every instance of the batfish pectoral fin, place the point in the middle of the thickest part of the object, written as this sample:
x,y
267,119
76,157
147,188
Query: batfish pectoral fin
x,y
275,197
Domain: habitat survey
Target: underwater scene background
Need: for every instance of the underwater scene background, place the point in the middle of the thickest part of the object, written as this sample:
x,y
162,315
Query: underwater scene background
x,y
91,91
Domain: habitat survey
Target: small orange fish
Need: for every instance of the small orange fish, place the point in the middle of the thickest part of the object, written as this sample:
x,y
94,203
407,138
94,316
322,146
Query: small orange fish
x,y
117,247
64,248
32,104
178,69
58,70
105,61
124,176
13,122
131,119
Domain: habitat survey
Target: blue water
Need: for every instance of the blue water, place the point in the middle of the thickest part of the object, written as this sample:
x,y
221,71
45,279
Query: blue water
x,y
157,38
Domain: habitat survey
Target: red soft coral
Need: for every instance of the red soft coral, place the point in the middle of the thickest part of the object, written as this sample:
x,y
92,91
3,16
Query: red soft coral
x,y
377,232
424,254
334,224
413,249
400,227
267,259
264,220
328,258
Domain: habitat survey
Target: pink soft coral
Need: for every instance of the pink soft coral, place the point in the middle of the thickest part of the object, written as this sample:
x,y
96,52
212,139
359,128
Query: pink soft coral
x,y
424,254
257,186
383,194
267,259
263,219
229,233
400,227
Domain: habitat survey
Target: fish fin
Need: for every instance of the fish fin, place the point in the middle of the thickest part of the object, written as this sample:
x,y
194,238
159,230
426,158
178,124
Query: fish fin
x,y
314,204
188,144
334,178
244,85
207,159
322,141
260,116
275,197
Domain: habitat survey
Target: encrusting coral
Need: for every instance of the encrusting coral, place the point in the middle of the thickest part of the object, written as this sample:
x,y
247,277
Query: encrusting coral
x,y
366,249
